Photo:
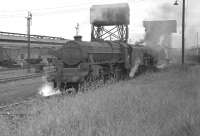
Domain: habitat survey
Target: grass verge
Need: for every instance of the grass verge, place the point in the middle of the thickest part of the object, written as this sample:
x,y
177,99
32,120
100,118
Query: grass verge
x,y
166,103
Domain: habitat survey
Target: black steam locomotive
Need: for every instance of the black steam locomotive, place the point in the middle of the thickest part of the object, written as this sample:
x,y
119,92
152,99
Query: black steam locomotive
x,y
80,61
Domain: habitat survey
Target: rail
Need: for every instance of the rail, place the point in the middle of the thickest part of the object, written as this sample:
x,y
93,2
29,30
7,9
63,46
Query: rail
x,y
5,80
16,103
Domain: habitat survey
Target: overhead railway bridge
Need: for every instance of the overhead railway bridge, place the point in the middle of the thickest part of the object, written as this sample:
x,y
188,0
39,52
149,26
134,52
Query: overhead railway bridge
x,y
9,39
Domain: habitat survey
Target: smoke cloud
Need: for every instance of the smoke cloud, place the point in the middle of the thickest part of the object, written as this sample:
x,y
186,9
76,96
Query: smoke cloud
x,y
168,11
161,23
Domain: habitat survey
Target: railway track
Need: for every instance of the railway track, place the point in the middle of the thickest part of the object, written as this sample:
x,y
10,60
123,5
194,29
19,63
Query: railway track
x,y
10,75
15,104
23,77
5,110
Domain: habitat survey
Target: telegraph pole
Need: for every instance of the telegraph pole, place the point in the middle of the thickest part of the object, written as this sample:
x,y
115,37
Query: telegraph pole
x,y
197,43
183,31
183,28
29,18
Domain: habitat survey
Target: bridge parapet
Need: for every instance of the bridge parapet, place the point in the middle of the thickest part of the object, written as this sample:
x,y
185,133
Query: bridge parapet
x,y
18,37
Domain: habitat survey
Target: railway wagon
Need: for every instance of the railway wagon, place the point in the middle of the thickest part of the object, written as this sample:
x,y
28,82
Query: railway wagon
x,y
79,61
8,57
14,56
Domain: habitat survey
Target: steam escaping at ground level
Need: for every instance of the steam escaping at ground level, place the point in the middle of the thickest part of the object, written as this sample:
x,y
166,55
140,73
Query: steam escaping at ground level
x,y
47,89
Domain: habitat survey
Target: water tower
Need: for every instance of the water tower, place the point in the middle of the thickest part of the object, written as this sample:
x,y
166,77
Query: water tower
x,y
110,22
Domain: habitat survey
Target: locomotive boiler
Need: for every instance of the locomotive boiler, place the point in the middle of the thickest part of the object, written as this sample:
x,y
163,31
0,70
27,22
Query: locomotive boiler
x,y
79,61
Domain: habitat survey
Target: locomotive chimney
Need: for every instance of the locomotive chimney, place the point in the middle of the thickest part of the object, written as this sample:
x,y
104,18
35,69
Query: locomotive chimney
x,y
78,38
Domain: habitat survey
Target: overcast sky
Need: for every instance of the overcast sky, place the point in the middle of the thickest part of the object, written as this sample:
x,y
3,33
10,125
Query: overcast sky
x,y
59,17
